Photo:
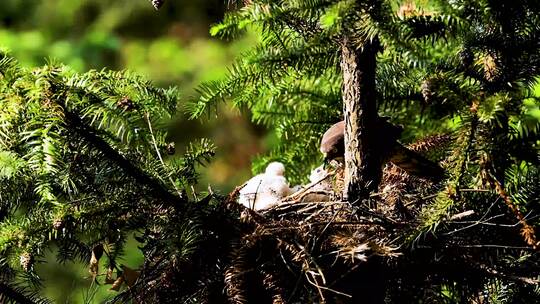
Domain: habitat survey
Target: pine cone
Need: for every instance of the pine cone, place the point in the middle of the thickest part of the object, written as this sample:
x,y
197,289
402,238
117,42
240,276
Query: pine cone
x,y
157,3
26,260
126,104
170,148
117,284
491,67
427,90
58,224
97,252
109,276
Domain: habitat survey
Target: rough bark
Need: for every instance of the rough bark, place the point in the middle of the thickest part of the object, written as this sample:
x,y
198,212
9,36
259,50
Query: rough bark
x,y
363,167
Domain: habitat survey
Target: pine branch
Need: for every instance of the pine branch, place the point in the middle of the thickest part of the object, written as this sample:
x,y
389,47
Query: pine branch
x,y
16,295
90,135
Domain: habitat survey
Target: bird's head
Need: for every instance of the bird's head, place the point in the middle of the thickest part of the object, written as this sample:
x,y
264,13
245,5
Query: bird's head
x,y
331,153
275,168
332,143
326,161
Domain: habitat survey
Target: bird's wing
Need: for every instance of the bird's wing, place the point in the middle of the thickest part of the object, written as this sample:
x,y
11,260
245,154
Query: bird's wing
x,y
415,163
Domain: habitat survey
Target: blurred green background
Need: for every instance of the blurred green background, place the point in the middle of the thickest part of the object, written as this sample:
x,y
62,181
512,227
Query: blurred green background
x,y
171,47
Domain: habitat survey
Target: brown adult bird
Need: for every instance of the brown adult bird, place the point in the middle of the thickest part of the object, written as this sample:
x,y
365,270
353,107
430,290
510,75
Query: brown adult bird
x,y
333,148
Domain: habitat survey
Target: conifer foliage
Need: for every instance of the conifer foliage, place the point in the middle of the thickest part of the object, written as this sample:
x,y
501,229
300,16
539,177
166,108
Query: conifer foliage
x,y
81,156
82,167
466,69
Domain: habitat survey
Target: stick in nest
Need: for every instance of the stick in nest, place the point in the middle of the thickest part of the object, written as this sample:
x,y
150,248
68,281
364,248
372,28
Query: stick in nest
x,y
298,195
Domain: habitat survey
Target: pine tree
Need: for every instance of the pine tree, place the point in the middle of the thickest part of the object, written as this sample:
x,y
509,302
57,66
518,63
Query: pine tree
x,y
300,39
462,68
81,155
82,167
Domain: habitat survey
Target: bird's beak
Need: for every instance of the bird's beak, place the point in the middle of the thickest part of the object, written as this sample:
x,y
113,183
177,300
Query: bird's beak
x,y
326,161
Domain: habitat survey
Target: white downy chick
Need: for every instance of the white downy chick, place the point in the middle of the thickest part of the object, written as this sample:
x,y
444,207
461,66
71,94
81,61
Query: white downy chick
x,y
267,189
316,176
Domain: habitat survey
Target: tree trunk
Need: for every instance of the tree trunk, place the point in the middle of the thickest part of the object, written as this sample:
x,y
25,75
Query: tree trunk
x,y
363,166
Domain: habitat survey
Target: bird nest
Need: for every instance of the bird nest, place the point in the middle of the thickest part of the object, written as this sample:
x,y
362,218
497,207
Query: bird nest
x,y
320,244
382,249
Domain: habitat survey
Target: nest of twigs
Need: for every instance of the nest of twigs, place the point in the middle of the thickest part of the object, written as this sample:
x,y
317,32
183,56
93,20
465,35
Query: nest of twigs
x,y
331,251
305,251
